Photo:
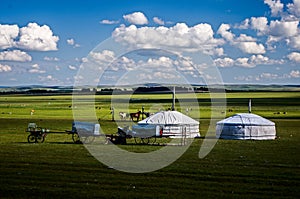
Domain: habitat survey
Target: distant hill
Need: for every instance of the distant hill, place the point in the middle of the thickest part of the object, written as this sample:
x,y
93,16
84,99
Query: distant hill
x,y
148,88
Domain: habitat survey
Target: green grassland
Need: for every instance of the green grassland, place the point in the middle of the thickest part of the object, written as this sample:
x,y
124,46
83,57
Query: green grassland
x,y
58,168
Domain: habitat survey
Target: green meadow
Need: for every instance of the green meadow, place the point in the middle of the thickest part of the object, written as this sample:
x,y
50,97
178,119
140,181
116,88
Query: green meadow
x,y
58,168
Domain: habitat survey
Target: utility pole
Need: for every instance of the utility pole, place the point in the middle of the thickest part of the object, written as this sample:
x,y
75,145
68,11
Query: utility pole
x,y
173,103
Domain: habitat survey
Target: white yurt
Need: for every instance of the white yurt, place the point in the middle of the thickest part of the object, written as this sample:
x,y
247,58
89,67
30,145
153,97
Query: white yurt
x,y
168,124
246,126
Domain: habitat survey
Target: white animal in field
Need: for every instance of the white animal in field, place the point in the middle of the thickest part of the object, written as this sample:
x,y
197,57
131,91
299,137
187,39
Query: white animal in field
x,y
123,115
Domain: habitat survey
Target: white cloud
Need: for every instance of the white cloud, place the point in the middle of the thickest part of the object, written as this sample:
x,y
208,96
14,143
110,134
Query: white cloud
x,y
225,33
51,58
244,62
71,42
294,56
109,22
259,24
104,57
4,68
294,42
294,8
158,21
248,62
224,62
275,5
179,37
283,28
164,62
15,55
245,43
72,67
245,38
268,76
35,68
36,37
137,18
7,35
251,47
295,73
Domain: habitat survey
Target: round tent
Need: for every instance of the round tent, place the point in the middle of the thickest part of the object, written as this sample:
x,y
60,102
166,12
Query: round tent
x,y
169,124
246,126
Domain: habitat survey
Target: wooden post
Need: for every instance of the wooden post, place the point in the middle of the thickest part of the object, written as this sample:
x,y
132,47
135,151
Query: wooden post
x,y
112,114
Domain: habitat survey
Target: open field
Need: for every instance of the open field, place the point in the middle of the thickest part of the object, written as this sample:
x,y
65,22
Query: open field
x,y
233,169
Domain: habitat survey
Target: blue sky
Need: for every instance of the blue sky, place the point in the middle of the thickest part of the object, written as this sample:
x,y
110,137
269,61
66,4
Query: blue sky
x,y
249,41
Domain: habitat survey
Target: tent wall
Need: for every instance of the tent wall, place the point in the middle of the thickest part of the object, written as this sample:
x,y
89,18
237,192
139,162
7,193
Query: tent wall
x,y
172,123
189,131
175,131
246,132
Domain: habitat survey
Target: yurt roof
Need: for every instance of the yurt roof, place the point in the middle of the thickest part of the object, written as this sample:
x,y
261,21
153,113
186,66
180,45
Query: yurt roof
x,y
246,119
169,117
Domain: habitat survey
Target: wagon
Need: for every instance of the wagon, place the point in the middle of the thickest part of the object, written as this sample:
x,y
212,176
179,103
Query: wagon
x,y
82,132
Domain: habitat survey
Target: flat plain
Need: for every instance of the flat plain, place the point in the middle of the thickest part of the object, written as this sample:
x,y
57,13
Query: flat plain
x,y
59,168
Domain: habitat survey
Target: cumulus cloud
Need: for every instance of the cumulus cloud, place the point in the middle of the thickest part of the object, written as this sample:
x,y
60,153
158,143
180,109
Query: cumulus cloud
x,y
294,8
38,38
109,22
294,56
4,68
260,24
251,47
245,43
8,34
15,55
283,28
158,21
224,62
224,31
137,18
31,37
102,58
275,5
179,37
295,73
294,42
248,62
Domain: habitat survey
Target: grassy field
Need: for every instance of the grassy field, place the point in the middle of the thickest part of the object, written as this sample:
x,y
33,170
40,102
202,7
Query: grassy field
x,y
58,168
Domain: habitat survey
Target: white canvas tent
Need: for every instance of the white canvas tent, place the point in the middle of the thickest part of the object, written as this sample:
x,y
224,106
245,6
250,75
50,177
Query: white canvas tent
x,y
246,126
168,124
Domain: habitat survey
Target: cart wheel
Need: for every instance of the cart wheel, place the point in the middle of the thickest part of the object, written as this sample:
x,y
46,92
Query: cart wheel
x,y
75,138
145,140
40,138
31,138
138,140
152,140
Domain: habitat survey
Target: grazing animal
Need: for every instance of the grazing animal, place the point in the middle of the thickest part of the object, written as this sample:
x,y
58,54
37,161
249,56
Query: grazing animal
x,y
123,115
135,115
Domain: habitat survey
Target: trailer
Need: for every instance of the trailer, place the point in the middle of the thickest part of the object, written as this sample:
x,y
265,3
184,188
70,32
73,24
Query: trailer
x,y
81,132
